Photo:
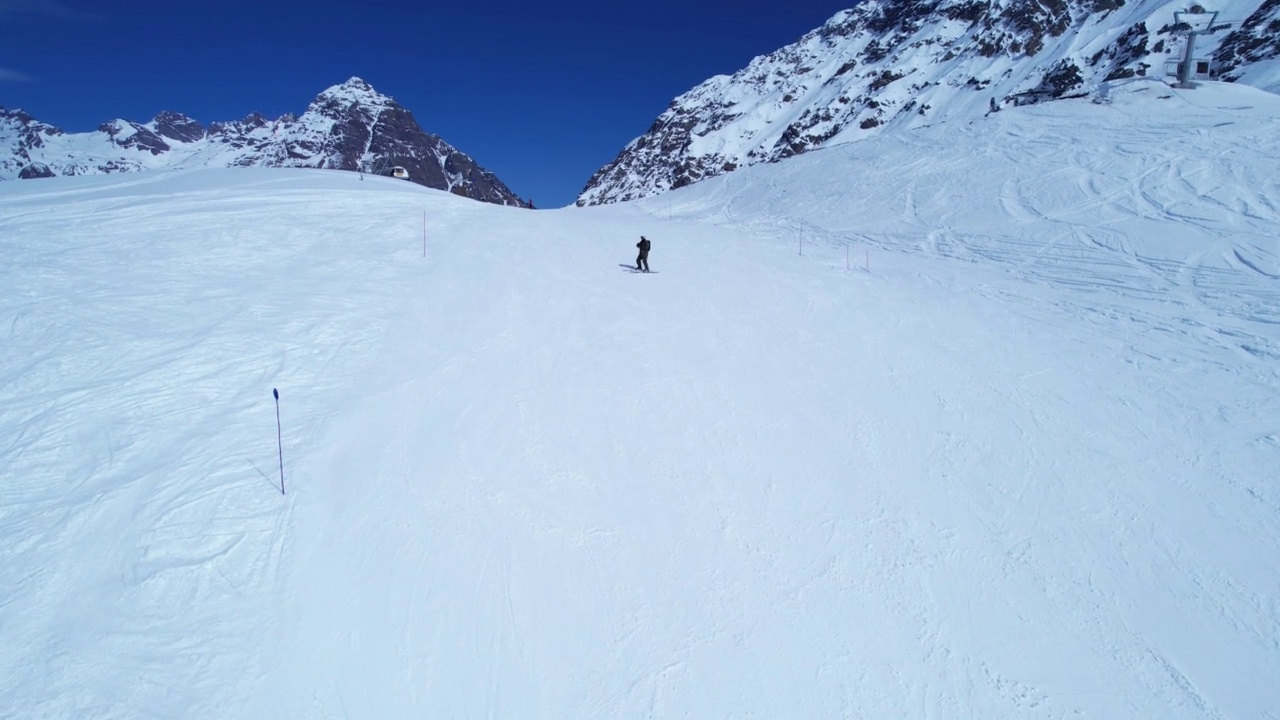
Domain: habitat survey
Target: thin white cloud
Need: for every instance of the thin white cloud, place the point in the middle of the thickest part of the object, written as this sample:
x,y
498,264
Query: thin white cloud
x,y
10,9
12,76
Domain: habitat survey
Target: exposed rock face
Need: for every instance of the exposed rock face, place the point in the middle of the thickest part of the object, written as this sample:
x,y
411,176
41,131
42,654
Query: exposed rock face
x,y
347,127
1255,45
125,134
178,127
21,135
905,63
35,170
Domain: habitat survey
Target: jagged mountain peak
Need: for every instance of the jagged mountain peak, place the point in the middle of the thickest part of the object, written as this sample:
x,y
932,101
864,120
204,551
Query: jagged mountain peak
x,y
900,64
349,126
355,92
176,126
20,116
355,84
169,116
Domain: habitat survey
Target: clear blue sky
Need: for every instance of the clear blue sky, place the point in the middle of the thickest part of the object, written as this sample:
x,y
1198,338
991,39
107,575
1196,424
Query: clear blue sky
x,y
542,94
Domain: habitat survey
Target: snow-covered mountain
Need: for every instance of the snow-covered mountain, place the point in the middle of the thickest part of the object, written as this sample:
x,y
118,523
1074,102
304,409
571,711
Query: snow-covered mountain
x,y
909,63
346,127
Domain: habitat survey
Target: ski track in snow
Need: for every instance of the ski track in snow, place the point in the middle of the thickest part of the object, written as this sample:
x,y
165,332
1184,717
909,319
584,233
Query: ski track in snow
x,y
1023,466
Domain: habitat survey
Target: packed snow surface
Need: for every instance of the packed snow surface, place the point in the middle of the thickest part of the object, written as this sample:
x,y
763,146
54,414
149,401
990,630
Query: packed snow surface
x,y
979,421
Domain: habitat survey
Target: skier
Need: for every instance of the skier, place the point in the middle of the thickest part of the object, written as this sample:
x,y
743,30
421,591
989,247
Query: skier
x,y
642,260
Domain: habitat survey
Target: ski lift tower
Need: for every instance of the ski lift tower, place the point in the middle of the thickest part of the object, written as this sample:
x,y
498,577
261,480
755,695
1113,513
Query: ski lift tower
x,y
1193,22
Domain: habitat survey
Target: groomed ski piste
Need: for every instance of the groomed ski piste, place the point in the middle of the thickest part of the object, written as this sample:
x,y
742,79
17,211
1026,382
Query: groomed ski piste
x,y
976,421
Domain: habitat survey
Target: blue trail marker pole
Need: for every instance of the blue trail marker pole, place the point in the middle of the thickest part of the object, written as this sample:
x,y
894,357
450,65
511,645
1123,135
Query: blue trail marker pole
x,y
279,442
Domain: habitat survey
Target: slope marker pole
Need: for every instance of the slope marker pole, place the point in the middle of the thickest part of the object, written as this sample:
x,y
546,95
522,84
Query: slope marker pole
x,y
279,442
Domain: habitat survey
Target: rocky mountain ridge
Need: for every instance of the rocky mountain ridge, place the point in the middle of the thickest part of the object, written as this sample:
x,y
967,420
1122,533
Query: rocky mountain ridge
x,y
347,127
898,64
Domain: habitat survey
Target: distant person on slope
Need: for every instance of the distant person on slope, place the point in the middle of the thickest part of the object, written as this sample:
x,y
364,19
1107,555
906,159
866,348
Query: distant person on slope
x,y
642,260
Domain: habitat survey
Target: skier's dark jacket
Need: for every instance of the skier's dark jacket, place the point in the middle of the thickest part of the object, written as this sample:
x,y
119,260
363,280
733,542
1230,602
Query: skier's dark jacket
x,y
644,246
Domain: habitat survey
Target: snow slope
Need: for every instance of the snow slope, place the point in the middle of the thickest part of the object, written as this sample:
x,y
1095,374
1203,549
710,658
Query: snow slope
x,y
1000,443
